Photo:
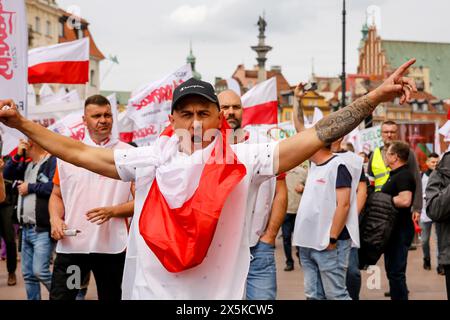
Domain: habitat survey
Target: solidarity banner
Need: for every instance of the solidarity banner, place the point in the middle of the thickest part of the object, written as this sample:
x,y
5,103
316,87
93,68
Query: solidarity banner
x,y
151,106
71,125
368,139
13,63
49,114
13,52
113,103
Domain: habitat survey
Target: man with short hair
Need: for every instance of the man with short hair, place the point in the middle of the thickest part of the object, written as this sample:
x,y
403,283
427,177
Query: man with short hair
x,y
187,239
425,222
326,226
378,170
7,230
295,181
358,196
266,215
35,186
96,206
401,187
438,210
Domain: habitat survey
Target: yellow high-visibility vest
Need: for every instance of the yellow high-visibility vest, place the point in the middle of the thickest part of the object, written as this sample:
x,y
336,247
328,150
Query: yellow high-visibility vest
x,y
379,169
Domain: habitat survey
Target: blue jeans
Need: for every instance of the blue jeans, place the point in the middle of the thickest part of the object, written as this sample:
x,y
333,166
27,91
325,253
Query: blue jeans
x,y
287,228
425,238
325,272
395,259
262,275
37,248
353,275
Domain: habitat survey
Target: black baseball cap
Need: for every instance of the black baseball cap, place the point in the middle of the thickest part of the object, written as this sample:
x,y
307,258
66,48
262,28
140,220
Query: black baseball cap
x,y
194,87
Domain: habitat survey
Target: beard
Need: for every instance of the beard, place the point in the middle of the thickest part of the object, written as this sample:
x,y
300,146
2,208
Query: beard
x,y
234,123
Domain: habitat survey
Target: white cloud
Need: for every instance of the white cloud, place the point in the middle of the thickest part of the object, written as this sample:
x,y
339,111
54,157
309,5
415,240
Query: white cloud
x,y
188,15
151,38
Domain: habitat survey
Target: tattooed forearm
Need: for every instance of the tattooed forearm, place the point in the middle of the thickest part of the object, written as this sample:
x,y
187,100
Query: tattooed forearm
x,y
299,121
342,122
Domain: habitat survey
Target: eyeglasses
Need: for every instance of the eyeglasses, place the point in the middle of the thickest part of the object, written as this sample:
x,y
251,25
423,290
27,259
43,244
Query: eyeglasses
x,y
389,132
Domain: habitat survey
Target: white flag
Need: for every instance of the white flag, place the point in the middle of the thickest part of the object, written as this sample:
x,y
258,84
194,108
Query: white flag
x,y
71,125
115,129
46,94
437,141
318,115
13,52
152,105
31,96
445,131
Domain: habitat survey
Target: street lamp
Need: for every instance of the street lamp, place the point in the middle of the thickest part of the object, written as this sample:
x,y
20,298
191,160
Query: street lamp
x,y
343,76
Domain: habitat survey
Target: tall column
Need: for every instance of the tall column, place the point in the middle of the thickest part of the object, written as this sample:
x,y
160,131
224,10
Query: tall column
x,y
261,50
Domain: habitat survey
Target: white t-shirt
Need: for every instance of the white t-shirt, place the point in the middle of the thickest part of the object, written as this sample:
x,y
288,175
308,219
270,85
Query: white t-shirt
x,y
223,272
318,206
83,190
260,213
423,214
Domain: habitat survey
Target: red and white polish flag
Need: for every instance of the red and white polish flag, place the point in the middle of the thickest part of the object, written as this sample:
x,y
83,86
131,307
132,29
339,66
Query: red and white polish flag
x,y
66,63
261,104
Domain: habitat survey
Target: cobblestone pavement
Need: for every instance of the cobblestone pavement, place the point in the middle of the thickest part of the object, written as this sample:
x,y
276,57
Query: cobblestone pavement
x,y
423,285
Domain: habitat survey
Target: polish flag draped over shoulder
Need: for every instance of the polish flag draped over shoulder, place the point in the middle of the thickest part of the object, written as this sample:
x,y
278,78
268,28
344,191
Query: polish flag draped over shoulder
x,y
177,228
61,63
261,104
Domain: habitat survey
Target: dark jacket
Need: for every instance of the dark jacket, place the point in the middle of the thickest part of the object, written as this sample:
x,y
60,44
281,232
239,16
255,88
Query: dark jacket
x,y
377,223
15,170
437,196
414,168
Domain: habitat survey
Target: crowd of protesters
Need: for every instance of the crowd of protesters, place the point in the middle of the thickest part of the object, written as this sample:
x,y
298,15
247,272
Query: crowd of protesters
x,y
324,208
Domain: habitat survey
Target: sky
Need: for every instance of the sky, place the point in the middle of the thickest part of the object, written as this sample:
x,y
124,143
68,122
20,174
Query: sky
x,y
151,38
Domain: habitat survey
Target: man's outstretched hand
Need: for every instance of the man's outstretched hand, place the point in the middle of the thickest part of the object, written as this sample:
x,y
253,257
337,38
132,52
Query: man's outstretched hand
x,y
9,114
396,86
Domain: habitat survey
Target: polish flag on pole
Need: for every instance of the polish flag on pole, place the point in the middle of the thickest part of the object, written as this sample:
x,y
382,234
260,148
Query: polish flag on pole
x,y
61,63
261,104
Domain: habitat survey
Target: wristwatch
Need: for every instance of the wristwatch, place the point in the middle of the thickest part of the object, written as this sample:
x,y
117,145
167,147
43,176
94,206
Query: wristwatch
x,y
333,240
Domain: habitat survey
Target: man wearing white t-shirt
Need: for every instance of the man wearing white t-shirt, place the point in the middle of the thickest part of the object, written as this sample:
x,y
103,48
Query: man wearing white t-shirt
x,y
326,226
266,216
172,253
95,205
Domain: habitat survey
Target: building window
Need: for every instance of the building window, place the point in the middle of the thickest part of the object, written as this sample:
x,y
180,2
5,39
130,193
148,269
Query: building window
x,y
288,116
37,25
291,100
49,29
79,32
439,107
30,36
93,78
61,29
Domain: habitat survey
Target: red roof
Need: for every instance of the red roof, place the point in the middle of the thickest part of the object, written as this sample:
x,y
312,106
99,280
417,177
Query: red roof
x,y
70,34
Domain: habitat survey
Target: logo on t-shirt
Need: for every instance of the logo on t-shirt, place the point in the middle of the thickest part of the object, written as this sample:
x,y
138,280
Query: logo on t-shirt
x,y
321,181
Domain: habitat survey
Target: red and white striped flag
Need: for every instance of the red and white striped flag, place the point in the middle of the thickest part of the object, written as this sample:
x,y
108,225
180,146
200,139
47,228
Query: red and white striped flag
x,y
61,63
261,104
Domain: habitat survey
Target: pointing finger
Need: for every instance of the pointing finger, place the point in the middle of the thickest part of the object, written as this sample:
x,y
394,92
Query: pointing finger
x,y
402,69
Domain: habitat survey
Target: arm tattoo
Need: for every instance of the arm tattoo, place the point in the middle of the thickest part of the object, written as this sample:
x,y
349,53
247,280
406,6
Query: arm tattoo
x,y
342,122
298,112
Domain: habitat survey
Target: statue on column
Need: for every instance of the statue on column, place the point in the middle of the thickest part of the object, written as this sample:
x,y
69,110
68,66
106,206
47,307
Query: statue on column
x,y
262,26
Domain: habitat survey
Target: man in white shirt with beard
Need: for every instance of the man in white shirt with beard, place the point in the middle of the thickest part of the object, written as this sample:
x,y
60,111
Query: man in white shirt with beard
x,y
266,216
